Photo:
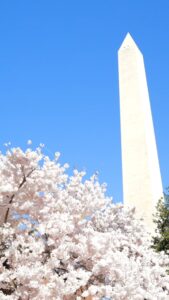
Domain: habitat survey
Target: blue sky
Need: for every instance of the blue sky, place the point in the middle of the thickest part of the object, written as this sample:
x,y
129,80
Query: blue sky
x,y
59,78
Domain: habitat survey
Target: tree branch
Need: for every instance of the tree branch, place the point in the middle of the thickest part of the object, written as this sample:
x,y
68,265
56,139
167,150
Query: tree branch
x,y
13,196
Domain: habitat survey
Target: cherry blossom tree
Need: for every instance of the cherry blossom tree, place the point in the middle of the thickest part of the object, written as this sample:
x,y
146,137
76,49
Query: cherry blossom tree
x,y
62,238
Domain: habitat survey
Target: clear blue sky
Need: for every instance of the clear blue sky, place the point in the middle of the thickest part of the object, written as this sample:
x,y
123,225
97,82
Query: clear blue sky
x,y
59,78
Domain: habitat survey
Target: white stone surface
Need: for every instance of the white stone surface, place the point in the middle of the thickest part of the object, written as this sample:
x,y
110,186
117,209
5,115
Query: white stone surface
x,y
142,185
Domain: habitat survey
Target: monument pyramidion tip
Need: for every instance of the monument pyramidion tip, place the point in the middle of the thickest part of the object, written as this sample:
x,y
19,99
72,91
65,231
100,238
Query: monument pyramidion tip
x,y
129,43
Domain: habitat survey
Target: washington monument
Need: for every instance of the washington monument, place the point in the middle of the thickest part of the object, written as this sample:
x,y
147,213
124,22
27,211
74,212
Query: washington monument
x,y
142,186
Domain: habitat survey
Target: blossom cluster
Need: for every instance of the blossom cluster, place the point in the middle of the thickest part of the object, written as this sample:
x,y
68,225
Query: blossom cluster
x,y
62,238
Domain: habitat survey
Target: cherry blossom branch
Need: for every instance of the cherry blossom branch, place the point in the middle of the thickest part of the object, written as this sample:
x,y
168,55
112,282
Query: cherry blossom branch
x,y
13,196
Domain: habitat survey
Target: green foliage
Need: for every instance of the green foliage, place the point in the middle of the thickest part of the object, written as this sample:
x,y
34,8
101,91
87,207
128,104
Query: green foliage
x,y
161,240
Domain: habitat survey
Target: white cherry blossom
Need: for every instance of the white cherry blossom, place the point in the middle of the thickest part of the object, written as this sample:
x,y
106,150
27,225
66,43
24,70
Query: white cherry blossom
x,y
62,238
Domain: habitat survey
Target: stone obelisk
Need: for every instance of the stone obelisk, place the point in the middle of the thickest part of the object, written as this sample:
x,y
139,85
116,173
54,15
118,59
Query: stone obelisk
x,y
142,186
